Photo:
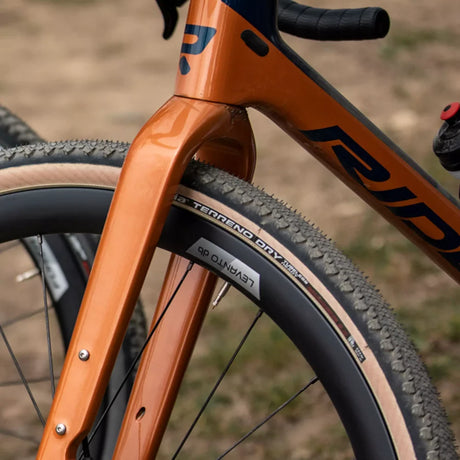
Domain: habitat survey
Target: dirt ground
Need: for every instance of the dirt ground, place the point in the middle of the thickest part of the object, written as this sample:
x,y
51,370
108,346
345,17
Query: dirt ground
x,y
99,69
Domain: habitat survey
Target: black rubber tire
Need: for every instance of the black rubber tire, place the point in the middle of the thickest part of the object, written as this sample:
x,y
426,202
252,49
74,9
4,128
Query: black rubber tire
x,y
74,255
316,296
14,131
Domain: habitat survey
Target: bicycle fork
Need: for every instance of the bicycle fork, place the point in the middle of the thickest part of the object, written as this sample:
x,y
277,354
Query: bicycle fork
x,y
150,176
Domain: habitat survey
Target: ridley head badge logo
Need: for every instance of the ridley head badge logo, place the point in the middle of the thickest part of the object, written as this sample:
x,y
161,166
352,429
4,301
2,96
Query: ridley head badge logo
x,y
203,36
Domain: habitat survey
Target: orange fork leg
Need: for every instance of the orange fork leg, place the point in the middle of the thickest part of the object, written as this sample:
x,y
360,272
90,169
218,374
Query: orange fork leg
x,y
164,361
166,357
152,171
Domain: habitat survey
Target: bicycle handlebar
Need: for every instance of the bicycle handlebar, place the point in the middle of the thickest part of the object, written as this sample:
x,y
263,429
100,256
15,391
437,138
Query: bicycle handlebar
x,y
308,22
332,24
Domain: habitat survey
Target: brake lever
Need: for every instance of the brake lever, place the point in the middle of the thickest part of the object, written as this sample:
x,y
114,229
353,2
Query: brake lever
x,y
168,9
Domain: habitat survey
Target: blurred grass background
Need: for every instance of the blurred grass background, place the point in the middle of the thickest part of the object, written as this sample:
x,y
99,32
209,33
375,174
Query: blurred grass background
x,y
99,68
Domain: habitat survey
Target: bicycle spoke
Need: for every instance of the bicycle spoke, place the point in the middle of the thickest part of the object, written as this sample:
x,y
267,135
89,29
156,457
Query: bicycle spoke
x,y
22,376
269,417
218,382
47,318
27,275
139,354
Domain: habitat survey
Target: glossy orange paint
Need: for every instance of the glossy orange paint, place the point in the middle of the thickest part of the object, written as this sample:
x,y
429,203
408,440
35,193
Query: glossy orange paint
x,y
164,361
228,71
228,74
150,176
166,357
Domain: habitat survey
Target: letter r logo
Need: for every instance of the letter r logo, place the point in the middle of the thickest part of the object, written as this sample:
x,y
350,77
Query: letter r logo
x,y
203,36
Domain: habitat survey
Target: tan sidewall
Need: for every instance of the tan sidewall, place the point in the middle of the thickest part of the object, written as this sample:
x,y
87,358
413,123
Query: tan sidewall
x,y
101,176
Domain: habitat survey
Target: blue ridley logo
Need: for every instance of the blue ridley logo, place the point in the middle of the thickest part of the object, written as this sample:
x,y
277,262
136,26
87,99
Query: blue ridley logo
x,y
203,36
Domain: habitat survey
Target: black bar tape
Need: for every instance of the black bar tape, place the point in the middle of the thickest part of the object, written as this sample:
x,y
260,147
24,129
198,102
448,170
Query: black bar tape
x,y
332,24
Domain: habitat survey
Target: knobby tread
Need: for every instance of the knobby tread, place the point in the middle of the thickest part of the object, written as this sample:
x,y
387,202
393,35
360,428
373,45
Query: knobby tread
x,y
92,152
14,131
368,310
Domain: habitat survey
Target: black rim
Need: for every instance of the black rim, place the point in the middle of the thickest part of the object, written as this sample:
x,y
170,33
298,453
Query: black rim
x,y
25,214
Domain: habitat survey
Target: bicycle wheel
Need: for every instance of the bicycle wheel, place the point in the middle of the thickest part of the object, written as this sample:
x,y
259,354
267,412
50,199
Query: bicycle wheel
x,y
287,268
68,259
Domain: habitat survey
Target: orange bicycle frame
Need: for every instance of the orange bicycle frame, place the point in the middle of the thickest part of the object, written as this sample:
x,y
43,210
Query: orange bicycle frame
x,y
232,57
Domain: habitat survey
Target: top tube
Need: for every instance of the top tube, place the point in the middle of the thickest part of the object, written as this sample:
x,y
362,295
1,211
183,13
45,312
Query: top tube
x,y
233,54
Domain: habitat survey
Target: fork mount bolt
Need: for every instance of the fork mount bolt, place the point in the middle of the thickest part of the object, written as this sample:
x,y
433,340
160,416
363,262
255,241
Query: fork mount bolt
x,y
83,355
61,429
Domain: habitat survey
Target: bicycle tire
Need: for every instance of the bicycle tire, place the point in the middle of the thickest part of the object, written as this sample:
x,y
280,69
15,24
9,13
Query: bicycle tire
x,y
68,259
338,321
14,131
71,258
76,254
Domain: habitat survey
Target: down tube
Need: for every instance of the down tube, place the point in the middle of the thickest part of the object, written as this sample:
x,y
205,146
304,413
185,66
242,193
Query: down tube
x,y
384,176
245,62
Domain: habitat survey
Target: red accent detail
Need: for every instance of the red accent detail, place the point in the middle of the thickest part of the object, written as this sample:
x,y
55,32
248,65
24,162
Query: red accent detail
x,y
450,111
86,266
